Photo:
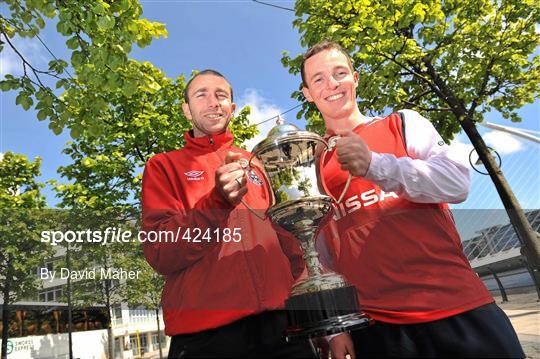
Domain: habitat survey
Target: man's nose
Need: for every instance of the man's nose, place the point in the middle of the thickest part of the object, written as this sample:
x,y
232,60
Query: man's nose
x,y
213,101
332,82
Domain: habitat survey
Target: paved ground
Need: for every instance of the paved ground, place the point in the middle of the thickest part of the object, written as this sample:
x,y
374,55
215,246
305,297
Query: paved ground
x,y
524,313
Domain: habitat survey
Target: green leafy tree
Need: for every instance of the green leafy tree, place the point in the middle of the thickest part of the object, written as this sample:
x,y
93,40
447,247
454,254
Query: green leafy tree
x,y
145,290
454,60
21,220
104,256
119,111
100,35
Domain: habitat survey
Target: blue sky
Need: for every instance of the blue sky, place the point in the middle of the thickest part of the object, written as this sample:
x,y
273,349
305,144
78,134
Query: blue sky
x,y
244,40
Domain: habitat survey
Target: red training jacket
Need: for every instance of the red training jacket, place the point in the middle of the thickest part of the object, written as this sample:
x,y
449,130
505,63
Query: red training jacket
x,y
215,280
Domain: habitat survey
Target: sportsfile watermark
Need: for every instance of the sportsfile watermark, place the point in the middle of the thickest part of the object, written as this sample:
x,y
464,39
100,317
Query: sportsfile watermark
x,y
119,235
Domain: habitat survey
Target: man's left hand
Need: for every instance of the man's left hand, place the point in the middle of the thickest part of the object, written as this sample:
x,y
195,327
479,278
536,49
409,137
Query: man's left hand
x,y
352,153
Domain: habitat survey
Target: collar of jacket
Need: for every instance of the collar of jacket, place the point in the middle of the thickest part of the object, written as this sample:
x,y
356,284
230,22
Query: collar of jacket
x,y
208,143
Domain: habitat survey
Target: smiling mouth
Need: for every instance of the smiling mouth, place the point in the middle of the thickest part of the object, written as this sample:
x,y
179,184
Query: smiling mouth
x,y
335,97
214,116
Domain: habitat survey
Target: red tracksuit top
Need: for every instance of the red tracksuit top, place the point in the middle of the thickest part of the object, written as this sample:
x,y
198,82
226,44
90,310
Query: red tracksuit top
x,y
405,258
211,283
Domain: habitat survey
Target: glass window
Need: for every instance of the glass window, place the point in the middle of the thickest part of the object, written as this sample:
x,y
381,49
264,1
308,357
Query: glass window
x,y
134,344
155,345
117,314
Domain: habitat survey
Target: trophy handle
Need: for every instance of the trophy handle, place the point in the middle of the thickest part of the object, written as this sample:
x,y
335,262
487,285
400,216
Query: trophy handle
x,y
330,144
248,166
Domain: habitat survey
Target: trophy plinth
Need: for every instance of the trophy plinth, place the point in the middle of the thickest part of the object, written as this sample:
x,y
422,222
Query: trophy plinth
x,y
323,303
324,312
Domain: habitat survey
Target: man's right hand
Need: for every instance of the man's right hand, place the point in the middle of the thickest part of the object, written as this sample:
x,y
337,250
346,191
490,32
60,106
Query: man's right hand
x,y
231,180
341,346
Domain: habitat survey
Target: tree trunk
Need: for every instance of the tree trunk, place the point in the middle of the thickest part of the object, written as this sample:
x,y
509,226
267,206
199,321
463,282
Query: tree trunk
x,y
159,334
5,318
529,239
109,326
70,306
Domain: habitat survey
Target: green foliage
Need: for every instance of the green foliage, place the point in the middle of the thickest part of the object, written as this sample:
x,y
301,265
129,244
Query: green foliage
x,y
450,60
146,289
22,218
119,111
107,163
18,187
100,36
241,128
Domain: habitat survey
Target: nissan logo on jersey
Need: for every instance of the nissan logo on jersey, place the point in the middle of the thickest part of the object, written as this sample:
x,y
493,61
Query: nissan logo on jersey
x,y
364,199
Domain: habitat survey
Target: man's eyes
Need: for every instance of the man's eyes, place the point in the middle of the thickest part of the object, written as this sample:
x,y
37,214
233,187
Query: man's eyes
x,y
203,94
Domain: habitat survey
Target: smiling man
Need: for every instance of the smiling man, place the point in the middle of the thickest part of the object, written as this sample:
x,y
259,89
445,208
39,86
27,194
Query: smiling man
x,y
226,274
400,246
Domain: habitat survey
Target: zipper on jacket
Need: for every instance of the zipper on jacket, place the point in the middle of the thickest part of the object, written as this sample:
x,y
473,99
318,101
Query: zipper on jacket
x,y
237,218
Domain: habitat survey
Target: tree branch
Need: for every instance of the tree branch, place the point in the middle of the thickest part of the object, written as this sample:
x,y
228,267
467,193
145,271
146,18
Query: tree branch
x,y
428,109
443,91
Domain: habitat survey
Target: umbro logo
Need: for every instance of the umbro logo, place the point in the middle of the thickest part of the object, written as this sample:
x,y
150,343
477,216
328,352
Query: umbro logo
x,y
194,175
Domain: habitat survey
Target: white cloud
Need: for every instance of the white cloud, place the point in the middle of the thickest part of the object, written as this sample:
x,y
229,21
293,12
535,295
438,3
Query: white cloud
x,y
32,51
261,109
460,151
9,63
503,143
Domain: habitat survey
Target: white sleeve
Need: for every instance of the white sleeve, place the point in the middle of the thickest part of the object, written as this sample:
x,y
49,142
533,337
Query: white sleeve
x,y
431,174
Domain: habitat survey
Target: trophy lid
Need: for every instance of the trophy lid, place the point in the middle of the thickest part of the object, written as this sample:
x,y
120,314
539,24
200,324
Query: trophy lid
x,y
283,132
281,129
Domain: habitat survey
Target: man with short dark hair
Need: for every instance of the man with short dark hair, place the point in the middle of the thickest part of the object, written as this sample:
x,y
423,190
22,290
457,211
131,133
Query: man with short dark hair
x,y
200,73
397,242
226,274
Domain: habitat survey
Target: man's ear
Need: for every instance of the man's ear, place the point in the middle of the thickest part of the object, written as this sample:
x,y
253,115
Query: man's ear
x,y
233,107
187,111
307,94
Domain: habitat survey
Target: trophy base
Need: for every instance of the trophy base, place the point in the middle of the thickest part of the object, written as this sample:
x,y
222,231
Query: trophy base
x,y
323,313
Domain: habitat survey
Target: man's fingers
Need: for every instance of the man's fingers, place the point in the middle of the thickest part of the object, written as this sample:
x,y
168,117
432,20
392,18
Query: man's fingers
x,y
238,194
233,181
225,171
229,172
350,351
232,156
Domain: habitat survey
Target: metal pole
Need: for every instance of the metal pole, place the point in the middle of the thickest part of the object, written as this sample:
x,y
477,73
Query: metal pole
x,y
499,283
511,130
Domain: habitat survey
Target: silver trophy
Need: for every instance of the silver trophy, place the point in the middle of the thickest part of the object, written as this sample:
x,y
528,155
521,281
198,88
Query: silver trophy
x,y
323,303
